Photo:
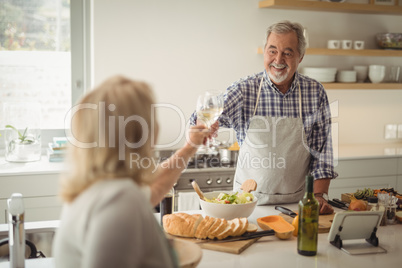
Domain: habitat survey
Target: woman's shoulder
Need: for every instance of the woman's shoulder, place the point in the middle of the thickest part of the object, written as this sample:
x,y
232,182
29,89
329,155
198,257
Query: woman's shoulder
x,y
104,193
110,189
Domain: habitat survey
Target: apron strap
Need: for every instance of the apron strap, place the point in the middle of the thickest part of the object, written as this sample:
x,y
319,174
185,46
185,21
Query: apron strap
x,y
258,96
258,99
300,105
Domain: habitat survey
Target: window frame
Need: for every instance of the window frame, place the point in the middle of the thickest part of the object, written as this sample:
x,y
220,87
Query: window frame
x,y
81,61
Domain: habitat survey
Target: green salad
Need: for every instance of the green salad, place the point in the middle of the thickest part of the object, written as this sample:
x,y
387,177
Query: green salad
x,y
236,198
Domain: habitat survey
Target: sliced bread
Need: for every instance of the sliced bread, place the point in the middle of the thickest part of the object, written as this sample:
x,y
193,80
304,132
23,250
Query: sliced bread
x,y
238,225
207,227
214,226
227,231
251,228
244,222
219,229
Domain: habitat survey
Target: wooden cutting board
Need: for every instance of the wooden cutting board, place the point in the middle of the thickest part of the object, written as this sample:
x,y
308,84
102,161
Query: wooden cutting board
x,y
324,222
234,247
346,197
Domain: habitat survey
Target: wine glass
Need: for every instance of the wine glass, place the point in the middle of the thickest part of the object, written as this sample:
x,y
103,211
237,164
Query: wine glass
x,y
209,108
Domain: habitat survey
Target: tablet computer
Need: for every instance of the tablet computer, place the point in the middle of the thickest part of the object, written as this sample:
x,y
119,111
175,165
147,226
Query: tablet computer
x,y
359,226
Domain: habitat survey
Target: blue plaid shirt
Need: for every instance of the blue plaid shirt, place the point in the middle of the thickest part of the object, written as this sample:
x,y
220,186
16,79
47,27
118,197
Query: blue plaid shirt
x,y
240,100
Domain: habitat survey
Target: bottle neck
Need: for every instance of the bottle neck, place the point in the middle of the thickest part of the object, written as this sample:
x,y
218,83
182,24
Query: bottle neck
x,y
309,184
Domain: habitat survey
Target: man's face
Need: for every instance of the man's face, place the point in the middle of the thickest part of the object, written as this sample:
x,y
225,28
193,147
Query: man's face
x,y
281,58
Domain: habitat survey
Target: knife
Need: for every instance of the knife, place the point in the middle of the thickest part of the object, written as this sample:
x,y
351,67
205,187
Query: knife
x,y
346,205
245,236
286,211
337,205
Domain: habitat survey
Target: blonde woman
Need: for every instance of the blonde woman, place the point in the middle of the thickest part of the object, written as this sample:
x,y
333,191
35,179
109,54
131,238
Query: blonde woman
x,y
112,186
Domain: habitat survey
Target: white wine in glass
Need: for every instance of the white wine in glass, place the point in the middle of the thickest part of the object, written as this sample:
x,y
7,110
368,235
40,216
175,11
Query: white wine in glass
x,y
209,108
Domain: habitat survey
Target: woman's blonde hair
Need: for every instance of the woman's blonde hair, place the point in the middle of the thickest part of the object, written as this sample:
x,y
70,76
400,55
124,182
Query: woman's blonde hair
x,y
111,130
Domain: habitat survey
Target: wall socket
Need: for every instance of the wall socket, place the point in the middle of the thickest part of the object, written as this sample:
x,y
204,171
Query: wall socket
x,y
391,131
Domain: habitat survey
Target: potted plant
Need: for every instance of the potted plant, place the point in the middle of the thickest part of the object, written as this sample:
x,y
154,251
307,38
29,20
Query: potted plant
x,y
22,146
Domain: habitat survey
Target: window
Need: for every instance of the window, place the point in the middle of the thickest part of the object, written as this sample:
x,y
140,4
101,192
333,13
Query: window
x,y
41,42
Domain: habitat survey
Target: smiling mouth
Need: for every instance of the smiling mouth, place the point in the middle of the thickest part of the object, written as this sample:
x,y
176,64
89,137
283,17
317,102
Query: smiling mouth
x,y
278,67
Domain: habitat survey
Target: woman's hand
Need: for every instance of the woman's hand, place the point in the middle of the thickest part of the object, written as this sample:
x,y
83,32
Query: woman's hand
x,y
197,135
214,130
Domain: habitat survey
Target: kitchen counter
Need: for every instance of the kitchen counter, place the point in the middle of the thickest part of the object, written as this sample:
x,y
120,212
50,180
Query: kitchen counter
x,y
272,252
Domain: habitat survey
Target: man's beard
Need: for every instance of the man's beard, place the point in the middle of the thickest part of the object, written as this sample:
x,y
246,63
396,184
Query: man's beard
x,y
277,78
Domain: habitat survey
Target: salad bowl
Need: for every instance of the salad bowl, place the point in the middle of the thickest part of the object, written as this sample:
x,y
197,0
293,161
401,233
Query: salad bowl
x,y
226,211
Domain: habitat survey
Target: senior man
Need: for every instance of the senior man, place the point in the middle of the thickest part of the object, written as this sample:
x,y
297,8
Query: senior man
x,y
282,122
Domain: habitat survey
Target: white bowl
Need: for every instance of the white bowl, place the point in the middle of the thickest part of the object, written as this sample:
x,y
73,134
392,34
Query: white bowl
x,y
361,72
321,74
321,70
346,76
226,211
376,73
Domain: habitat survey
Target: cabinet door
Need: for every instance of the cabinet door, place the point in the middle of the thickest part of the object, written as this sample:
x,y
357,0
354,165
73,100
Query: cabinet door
x,y
376,167
33,185
36,209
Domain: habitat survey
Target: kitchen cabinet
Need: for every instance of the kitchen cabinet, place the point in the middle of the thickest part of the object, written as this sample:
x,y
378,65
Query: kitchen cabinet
x,y
371,173
399,178
347,8
40,195
36,209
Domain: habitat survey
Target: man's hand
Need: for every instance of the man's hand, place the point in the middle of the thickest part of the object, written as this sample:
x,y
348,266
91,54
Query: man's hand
x,y
321,186
325,208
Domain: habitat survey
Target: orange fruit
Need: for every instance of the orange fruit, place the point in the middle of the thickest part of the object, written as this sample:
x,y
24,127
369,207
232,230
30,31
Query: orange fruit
x,y
295,224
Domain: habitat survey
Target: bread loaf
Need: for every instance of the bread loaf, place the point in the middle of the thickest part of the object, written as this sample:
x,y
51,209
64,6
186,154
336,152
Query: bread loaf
x,y
181,224
186,225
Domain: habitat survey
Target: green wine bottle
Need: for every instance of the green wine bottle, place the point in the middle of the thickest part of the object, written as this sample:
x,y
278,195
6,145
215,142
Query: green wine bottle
x,y
308,221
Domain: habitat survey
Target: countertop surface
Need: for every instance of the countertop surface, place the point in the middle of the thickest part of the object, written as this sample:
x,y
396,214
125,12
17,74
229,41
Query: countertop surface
x,y
341,152
271,252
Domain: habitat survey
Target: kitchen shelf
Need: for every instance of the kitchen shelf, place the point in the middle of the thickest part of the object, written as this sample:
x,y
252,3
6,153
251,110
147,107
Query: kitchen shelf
x,y
350,52
363,86
332,7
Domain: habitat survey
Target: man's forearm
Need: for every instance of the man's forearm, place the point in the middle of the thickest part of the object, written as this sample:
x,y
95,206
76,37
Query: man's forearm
x,y
321,185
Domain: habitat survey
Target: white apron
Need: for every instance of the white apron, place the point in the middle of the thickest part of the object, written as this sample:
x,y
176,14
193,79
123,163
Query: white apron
x,y
273,154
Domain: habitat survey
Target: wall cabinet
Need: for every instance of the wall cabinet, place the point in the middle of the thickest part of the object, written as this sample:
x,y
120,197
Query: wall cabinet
x,y
348,8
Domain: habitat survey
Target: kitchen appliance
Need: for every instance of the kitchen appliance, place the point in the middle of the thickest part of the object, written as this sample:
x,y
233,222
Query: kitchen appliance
x,y
207,170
